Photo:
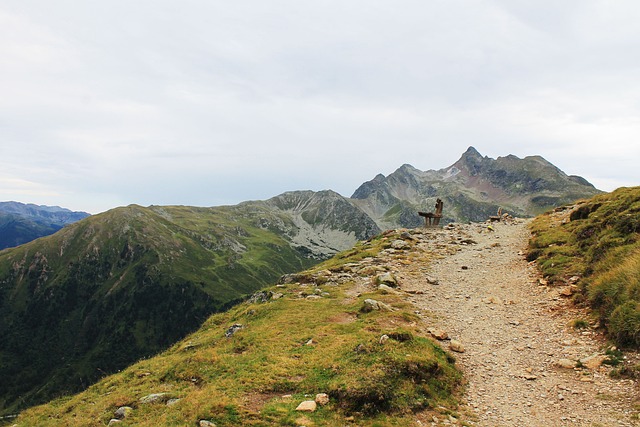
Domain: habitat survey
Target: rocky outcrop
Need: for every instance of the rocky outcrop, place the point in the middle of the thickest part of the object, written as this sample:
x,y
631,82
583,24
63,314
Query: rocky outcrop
x,y
324,222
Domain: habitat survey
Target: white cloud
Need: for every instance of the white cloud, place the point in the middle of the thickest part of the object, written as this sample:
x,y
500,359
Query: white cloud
x,y
216,102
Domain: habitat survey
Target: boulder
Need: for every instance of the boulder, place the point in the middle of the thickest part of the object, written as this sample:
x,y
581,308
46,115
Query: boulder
x,y
387,279
307,406
594,361
123,412
456,346
260,297
438,334
322,399
232,330
370,305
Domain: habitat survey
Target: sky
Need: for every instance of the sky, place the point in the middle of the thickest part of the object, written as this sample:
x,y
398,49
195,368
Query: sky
x,y
210,102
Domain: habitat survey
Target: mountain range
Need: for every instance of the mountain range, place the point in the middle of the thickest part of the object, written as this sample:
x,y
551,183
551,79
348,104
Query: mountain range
x,y
118,286
473,188
21,223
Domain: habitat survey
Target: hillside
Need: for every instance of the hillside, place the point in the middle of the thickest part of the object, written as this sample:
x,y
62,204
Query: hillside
x,y
127,283
472,189
21,223
592,248
310,335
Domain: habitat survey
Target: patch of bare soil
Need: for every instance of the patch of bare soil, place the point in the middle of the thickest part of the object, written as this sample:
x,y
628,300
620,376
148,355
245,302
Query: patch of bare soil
x,y
515,333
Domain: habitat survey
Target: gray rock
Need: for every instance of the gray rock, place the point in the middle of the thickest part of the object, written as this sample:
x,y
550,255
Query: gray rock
x,y
566,363
432,280
172,402
387,279
114,421
123,412
232,330
400,244
307,406
322,399
368,270
344,278
205,423
369,305
384,307
155,398
438,334
593,361
260,297
385,289
288,279
456,346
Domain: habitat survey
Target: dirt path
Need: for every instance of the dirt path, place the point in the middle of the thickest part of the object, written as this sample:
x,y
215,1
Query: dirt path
x,y
514,332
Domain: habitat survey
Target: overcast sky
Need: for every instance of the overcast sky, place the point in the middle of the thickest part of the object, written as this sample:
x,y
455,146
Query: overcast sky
x,y
211,102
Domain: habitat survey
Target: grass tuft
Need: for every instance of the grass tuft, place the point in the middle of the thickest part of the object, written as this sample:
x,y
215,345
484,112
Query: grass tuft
x,y
597,241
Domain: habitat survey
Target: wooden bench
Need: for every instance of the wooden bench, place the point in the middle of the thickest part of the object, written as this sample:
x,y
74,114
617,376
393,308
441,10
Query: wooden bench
x,y
432,219
496,218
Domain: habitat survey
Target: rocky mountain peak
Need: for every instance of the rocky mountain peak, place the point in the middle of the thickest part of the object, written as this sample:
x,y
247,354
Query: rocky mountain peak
x,y
407,169
471,153
472,161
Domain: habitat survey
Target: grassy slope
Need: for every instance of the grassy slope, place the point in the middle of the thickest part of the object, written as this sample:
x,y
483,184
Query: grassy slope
x,y
125,284
288,346
600,242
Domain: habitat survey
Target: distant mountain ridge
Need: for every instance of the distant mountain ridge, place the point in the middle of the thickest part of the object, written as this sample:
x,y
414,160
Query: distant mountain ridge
x,y
473,188
121,285
21,223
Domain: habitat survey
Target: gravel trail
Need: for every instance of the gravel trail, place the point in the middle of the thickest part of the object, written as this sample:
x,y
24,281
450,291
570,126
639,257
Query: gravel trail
x,y
515,331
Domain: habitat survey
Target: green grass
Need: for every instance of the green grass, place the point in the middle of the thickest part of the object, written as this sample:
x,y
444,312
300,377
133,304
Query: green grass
x,y
599,241
580,324
287,350
122,285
